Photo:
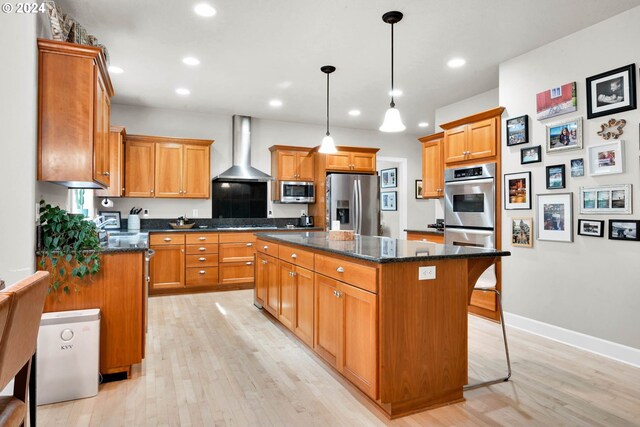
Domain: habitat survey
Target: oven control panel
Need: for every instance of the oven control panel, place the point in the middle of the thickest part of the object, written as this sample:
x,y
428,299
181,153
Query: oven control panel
x,y
467,173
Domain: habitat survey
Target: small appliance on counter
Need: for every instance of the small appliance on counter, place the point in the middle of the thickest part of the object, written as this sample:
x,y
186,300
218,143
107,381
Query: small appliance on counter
x,y
439,225
306,221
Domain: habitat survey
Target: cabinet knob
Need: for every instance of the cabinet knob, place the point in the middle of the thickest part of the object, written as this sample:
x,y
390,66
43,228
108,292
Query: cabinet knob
x,y
202,272
167,239
202,238
249,244
151,191
106,174
294,256
202,249
337,293
264,262
202,259
249,263
340,270
265,247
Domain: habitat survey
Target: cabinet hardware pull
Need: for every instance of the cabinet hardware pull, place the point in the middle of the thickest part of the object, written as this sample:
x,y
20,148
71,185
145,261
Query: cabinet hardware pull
x,y
293,274
167,239
202,249
294,256
339,294
249,263
202,259
106,174
202,272
265,247
249,244
264,262
202,238
340,270
151,191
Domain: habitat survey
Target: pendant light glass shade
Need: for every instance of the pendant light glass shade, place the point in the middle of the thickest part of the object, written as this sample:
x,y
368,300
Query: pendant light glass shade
x,y
392,121
328,146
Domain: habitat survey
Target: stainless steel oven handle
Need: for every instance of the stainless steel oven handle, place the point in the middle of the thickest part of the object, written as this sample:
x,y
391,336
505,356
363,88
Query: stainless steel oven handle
x,y
470,182
469,231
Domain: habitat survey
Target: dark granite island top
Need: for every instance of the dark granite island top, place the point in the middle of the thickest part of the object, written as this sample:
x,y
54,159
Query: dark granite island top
x,y
382,249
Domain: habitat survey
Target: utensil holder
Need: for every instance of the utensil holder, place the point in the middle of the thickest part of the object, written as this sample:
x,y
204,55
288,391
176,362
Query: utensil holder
x,y
133,223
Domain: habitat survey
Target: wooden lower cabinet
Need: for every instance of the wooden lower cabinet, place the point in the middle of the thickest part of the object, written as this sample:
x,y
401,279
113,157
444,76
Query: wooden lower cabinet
x,y
427,237
167,267
236,272
327,314
286,309
303,319
263,277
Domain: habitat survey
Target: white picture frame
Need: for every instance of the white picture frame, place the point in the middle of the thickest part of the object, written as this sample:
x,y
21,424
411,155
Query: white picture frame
x,y
606,159
554,217
558,141
606,199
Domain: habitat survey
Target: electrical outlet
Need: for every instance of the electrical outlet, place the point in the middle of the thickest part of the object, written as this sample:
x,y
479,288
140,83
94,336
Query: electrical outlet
x,y
194,214
145,212
427,273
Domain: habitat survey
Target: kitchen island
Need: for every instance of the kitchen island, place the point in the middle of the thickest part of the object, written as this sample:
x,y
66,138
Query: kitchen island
x,y
389,315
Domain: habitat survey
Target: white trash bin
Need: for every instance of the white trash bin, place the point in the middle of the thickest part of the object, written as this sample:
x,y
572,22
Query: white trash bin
x,y
68,355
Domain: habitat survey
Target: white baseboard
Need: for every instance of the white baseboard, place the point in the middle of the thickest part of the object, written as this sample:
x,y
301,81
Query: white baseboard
x,y
612,350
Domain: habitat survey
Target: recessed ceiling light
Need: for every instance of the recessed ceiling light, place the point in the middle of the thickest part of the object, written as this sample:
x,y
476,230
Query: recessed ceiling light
x,y
275,103
456,62
190,60
395,92
204,9
183,91
423,124
115,70
354,112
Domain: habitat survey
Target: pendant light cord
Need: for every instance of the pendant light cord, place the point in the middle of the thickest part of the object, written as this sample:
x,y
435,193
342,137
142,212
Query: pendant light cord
x,y
327,104
393,104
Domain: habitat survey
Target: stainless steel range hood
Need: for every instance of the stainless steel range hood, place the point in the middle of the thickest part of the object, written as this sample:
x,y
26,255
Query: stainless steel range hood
x,y
241,154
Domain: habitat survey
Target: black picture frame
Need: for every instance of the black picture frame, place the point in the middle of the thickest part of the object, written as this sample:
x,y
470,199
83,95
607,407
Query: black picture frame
x,y
514,136
583,223
389,178
527,150
551,172
111,215
418,189
517,191
620,233
389,201
596,106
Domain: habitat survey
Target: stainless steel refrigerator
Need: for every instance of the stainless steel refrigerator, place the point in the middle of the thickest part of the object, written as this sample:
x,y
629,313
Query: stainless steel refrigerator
x,y
354,200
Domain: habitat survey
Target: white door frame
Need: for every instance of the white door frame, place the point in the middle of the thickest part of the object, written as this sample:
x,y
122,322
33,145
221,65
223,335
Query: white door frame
x,y
402,191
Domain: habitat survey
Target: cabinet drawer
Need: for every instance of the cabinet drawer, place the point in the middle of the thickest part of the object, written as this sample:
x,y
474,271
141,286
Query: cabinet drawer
x,y
202,260
201,276
248,237
166,239
236,272
267,247
349,272
206,248
296,256
236,252
198,238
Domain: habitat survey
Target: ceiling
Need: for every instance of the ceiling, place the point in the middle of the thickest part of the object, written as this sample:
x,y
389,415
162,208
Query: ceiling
x,y
253,51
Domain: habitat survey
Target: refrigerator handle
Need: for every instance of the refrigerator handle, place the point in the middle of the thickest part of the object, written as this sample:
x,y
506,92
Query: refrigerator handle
x,y
359,207
355,205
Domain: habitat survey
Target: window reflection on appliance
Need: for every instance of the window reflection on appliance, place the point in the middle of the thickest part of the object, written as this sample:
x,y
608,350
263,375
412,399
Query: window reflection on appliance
x,y
342,211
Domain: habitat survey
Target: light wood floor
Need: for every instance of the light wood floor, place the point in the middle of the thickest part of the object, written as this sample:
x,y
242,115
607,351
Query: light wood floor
x,y
215,360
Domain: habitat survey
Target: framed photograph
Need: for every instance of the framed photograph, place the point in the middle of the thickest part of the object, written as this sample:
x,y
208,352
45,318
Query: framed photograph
x,y
606,159
521,229
389,178
531,155
577,168
556,177
591,227
611,92
555,217
517,190
518,130
418,189
388,200
623,229
606,199
111,215
556,101
565,135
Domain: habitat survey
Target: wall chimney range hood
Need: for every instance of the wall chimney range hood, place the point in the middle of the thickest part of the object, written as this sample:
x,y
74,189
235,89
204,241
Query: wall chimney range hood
x,y
241,155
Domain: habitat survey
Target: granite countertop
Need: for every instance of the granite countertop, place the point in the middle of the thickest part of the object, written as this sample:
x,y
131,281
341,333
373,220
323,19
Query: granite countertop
x,y
382,249
424,230
226,229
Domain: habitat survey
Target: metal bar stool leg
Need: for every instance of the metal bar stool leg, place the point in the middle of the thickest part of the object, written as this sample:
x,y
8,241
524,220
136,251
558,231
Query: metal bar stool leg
x,y
506,346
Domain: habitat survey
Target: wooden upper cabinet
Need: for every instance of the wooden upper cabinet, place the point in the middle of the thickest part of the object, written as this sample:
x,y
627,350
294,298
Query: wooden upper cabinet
x,y
363,162
432,166
116,163
139,169
472,138
74,90
354,160
290,163
196,167
340,161
168,171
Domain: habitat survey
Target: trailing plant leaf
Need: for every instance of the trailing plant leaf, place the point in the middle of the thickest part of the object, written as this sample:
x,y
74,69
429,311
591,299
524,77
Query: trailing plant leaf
x,y
70,245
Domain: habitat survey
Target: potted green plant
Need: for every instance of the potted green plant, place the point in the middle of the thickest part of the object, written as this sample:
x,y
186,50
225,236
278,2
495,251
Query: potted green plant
x,y
70,247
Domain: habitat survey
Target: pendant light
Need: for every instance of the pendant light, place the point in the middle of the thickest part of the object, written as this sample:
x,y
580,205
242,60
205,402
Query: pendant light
x,y
392,120
328,146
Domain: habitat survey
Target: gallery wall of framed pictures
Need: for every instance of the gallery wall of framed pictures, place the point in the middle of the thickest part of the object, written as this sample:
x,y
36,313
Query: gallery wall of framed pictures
x,y
582,154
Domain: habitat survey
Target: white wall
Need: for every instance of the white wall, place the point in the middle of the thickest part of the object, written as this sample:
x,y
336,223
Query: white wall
x,y
265,133
467,107
18,112
592,285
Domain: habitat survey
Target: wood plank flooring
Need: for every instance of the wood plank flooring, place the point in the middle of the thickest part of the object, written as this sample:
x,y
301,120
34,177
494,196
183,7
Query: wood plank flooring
x,y
215,360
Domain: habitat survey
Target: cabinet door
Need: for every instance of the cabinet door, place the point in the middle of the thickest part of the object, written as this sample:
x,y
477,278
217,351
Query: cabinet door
x,y
286,309
482,139
272,278
358,358
363,162
236,272
306,168
101,134
455,145
168,170
167,267
116,166
139,169
432,170
328,315
196,172
303,324
262,277
340,161
287,165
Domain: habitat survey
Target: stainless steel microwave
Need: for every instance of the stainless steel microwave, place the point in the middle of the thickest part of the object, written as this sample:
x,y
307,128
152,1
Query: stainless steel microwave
x,y
297,192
